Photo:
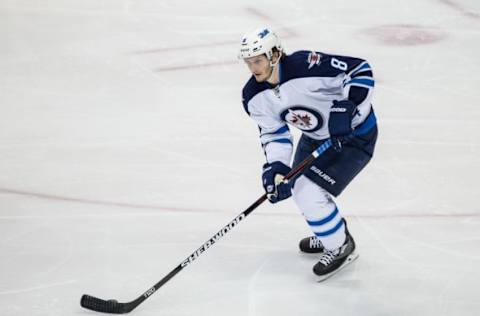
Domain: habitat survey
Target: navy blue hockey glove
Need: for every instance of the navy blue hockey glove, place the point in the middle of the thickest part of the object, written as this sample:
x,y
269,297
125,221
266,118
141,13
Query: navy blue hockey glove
x,y
340,122
272,179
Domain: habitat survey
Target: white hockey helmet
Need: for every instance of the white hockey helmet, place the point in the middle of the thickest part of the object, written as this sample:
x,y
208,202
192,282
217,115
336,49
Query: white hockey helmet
x,y
261,41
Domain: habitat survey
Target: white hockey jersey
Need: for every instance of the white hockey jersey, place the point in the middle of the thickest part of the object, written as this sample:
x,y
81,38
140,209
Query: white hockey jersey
x,y
309,83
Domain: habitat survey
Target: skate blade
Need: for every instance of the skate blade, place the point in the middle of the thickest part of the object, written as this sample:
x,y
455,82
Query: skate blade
x,y
352,257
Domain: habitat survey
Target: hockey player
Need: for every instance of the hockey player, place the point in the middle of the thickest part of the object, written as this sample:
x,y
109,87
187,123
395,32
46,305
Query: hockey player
x,y
326,97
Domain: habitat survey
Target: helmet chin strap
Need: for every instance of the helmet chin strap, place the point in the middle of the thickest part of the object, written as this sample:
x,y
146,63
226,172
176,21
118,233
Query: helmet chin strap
x,y
273,65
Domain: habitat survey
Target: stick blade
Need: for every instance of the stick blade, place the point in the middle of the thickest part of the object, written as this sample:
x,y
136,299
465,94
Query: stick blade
x,y
103,306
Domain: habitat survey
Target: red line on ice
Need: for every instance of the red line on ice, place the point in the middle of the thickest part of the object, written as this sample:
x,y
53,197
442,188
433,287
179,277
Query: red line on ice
x,y
456,6
60,198
193,46
288,32
191,66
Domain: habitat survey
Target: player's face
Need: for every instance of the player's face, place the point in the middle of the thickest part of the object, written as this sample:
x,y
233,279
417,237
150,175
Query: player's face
x,y
259,66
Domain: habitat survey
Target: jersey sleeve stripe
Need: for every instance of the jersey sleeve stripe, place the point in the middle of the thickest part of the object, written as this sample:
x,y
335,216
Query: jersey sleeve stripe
x,y
362,81
363,73
281,130
362,78
280,140
282,133
362,67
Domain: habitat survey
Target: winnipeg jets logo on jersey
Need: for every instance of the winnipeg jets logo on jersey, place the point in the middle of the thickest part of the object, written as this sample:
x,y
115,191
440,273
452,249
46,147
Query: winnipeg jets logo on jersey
x,y
303,118
313,59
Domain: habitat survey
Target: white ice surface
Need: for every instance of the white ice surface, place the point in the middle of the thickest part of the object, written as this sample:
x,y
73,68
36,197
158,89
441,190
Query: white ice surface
x,y
120,154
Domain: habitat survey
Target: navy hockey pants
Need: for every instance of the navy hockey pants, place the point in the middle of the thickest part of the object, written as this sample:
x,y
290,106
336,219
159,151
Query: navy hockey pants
x,y
333,170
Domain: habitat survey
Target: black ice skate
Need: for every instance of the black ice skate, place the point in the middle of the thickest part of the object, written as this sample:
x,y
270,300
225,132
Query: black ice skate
x,y
311,245
332,261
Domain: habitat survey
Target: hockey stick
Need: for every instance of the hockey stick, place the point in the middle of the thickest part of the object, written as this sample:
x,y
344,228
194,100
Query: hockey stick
x,y
114,307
